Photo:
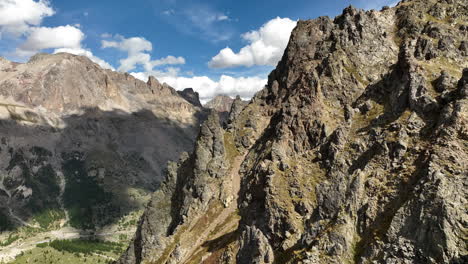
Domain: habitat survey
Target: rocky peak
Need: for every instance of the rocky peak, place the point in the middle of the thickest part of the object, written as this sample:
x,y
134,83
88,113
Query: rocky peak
x,y
221,103
354,152
56,82
191,96
236,108
224,105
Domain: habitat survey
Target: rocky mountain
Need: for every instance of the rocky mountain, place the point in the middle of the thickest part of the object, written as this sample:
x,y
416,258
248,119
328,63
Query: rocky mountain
x,y
355,152
191,96
83,147
223,104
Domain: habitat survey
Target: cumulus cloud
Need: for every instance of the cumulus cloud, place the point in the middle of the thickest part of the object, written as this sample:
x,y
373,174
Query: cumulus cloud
x,y
131,45
21,20
47,38
17,16
266,46
137,49
208,88
245,87
61,39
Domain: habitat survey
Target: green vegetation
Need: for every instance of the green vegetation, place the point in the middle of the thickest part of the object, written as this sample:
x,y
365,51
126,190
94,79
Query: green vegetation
x,y
354,72
429,18
11,238
45,254
42,245
86,246
44,183
231,150
49,217
87,202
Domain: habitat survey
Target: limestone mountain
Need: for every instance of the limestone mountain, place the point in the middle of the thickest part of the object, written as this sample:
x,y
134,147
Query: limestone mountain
x,y
355,152
84,147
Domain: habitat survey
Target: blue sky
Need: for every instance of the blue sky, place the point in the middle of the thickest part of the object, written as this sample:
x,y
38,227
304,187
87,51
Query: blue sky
x,y
181,42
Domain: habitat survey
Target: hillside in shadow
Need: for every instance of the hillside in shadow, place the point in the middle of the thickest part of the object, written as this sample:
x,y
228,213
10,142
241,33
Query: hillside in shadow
x,y
98,165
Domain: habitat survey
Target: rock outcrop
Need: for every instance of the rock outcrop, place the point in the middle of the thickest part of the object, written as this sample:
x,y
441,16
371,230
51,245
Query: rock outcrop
x,y
191,96
355,152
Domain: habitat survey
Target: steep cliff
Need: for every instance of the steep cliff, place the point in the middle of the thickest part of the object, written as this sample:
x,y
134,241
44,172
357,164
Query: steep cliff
x,y
355,152
82,146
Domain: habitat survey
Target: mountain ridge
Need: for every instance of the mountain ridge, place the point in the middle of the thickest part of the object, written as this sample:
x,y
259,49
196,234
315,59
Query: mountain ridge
x,y
354,152
82,148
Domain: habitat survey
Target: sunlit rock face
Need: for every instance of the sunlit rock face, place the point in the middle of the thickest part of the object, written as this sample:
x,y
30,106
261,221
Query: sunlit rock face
x,y
355,152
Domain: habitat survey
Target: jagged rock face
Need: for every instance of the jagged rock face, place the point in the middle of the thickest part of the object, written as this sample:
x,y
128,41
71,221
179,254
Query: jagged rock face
x,y
66,83
224,104
194,186
85,143
221,103
236,109
355,152
191,96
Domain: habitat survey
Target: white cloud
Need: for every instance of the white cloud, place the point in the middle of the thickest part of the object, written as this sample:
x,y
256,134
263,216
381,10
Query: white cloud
x,y
222,17
131,45
41,38
106,35
17,16
208,88
137,48
266,46
167,60
21,20
87,53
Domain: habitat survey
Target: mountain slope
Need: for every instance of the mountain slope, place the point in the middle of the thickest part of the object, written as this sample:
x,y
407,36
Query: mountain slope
x,y
355,152
82,146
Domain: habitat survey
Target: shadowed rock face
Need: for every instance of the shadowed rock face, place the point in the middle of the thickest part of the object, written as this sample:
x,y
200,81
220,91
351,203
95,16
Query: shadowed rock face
x,y
355,152
191,96
79,139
